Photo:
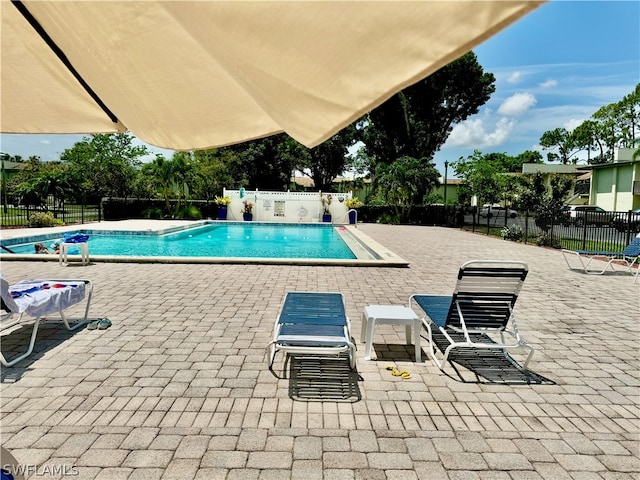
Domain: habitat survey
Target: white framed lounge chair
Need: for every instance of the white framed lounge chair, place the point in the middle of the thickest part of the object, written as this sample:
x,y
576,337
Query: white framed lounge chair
x,y
38,298
482,304
312,323
628,256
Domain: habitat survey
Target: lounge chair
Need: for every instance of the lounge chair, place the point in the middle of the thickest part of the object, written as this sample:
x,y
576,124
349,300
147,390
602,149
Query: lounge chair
x,y
482,303
313,324
628,256
38,298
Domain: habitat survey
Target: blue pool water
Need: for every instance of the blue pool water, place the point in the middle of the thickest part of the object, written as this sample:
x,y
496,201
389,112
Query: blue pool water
x,y
220,240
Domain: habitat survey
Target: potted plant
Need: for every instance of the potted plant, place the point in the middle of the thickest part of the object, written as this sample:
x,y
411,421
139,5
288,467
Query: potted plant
x,y
223,204
247,210
326,202
352,205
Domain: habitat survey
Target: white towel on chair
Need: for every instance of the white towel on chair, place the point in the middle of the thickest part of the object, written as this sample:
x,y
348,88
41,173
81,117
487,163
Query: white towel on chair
x,y
48,298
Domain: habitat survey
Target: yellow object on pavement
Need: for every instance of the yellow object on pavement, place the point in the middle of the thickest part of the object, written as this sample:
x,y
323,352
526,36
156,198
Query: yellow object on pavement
x,y
400,373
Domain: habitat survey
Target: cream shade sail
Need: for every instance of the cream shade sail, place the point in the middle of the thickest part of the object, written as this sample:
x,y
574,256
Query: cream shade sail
x,y
189,75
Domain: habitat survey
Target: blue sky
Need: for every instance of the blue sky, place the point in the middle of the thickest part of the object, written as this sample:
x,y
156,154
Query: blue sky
x,y
554,68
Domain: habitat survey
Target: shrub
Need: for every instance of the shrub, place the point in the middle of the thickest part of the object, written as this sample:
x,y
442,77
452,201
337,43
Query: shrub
x,y
44,219
152,212
547,240
390,218
514,232
353,203
189,212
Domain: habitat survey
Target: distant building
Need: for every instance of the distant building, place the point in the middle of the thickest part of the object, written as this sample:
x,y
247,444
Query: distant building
x,y
616,186
451,197
550,168
304,182
10,168
612,186
580,193
308,184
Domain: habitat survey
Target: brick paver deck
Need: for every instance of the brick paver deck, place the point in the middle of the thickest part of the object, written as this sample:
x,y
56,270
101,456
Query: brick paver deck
x,y
179,388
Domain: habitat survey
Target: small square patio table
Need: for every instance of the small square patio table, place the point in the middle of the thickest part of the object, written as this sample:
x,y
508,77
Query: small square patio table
x,y
64,252
390,314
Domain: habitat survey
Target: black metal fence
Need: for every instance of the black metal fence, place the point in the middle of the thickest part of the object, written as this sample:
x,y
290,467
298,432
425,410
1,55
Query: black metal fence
x,y
434,215
61,212
591,231
610,231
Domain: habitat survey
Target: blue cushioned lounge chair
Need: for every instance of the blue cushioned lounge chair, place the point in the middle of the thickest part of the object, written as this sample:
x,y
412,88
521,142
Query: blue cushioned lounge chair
x,y
313,324
482,304
628,256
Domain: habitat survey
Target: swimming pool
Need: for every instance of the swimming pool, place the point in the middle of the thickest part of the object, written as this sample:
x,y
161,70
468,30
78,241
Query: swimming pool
x,y
220,242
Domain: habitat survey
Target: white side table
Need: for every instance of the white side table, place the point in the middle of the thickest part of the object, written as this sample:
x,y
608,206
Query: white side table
x,y
64,252
390,314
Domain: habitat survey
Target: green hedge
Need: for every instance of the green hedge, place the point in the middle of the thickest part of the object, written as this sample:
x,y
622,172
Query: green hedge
x,y
123,209
441,215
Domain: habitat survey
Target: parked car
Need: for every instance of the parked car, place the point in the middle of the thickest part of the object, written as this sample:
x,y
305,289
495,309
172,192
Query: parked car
x,y
488,211
623,221
588,214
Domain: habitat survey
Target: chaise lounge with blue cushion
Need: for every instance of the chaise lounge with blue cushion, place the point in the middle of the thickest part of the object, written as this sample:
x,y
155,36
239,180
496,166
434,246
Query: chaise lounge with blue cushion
x,y
38,298
481,305
312,323
628,256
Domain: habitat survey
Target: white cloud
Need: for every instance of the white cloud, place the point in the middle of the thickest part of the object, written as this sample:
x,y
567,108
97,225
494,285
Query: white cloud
x,y
549,83
517,104
515,77
464,133
571,124
500,134
539,120
473,133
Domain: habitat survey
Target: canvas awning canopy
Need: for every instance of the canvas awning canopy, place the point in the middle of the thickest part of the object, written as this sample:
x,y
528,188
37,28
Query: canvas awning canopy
x,y
189,75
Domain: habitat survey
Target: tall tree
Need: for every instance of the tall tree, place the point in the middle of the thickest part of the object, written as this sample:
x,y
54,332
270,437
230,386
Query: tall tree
x,y
545,200
183,173
486,175
417,121
265,163
528,156
611,126
105,164
608,131
626,115
585,137
563,141
215,170
39,180
170,179
160,174
405,182
328,160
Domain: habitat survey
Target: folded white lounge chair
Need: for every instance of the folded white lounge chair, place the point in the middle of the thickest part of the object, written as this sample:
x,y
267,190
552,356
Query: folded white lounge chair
x,y
38,298
312,324
482,303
